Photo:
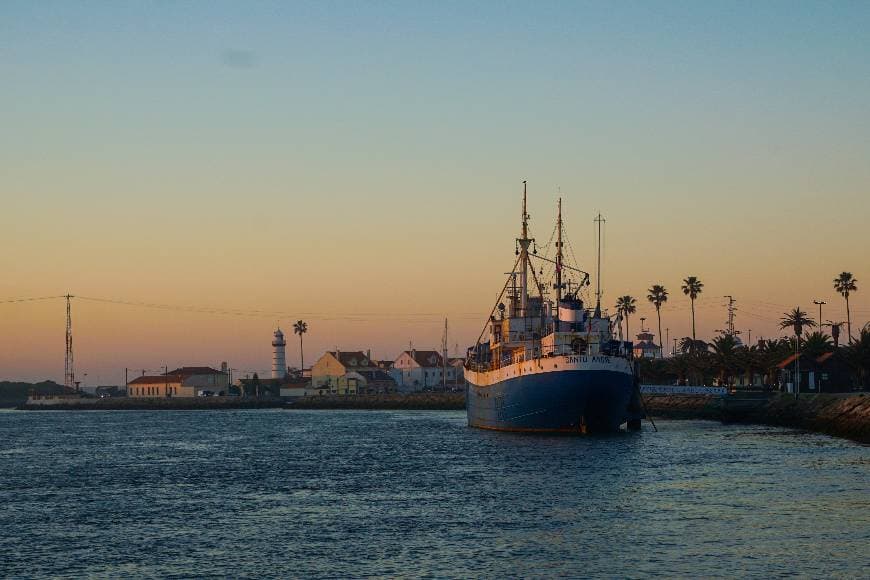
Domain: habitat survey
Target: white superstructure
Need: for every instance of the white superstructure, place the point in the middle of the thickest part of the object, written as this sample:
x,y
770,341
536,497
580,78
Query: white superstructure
x,y
279,358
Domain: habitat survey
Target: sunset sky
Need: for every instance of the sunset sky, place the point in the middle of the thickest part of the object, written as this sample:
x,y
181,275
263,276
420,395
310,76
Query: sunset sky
x,y
360,165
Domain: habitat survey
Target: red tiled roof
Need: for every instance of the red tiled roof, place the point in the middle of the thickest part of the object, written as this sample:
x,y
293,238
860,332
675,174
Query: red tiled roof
x,y
789,360
824,357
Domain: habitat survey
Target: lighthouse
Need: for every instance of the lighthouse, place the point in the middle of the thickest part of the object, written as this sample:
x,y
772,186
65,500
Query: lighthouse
x,y
279,364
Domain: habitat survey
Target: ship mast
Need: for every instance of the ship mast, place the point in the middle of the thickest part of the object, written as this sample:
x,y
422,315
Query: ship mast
x,y
558,266
524,242
599,220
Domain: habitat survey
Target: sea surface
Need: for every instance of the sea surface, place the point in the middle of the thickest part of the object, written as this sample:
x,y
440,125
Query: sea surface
x,y
345,494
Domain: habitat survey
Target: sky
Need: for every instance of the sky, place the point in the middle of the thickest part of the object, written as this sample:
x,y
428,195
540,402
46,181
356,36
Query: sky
x,y
360,166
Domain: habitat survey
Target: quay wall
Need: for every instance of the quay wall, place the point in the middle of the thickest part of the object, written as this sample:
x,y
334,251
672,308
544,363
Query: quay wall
x,y
147,404
841,415
421,401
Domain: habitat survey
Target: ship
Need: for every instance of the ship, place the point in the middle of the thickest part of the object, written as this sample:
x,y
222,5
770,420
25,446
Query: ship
x,y
545,362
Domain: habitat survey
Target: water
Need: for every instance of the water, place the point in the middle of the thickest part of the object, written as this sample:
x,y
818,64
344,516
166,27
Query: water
x,y
346,494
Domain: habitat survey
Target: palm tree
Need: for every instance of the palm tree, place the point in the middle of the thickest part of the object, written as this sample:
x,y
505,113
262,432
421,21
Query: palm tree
x,y
689,346
845,284
725,356
816,344
772,352
300,328
626,305
692,287
751,361
797,319
658,295
858,355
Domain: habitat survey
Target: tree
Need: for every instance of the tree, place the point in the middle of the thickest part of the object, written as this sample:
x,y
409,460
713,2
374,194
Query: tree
x,y
771,352
797,319
751,361
816,344
626,305
658,295
300,328
692,287
689,346
845,284
725,356
858,355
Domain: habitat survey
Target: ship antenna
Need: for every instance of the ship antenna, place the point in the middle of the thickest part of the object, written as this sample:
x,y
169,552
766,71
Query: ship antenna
x,y
599,220
559,266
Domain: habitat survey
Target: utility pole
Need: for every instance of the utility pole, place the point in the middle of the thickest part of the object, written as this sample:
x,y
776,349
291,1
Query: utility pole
x,y
674,352
820,303
668,337
69,372
749,340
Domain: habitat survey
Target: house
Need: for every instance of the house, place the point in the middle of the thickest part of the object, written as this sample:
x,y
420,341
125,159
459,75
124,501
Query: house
x,y
420,370
457,378
294,388
828,373
645,347
349,373
835,374
181,382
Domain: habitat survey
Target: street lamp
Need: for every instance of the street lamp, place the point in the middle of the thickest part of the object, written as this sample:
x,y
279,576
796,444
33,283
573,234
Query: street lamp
x,y
820,303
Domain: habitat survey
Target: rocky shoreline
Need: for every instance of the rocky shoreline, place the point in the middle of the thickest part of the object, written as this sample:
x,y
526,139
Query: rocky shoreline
x,y
839,415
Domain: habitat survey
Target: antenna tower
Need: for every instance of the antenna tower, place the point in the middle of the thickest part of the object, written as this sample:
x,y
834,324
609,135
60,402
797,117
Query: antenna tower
x,y
69,371
732,309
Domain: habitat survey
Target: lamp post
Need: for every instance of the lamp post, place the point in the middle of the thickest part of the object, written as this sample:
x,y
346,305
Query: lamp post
x,y
819,303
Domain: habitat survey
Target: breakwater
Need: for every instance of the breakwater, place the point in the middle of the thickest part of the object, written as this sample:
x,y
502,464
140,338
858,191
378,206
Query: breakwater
x,y
148,404
422,401
840,415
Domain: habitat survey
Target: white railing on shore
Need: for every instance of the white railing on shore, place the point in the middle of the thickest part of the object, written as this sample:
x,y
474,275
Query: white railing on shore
x,y
682,390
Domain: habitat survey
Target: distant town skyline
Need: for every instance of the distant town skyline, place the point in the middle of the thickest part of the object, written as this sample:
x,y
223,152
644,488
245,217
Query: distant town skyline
x,y
362,170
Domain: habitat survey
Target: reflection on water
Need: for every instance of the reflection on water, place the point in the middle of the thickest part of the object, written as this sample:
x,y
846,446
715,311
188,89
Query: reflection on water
x,y
345,494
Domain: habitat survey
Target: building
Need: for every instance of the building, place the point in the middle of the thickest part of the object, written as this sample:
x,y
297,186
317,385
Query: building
x,y
349,373
646,347
279,358
829,372
423,370
181,382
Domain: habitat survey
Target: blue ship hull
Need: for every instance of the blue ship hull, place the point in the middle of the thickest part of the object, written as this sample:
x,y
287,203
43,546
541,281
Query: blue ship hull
x,y
574,401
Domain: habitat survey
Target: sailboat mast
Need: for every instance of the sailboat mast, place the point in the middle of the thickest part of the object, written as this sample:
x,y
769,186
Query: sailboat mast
x,y
558,265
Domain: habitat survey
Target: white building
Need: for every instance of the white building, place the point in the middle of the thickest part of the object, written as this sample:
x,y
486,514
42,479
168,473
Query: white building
x,y
418,370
